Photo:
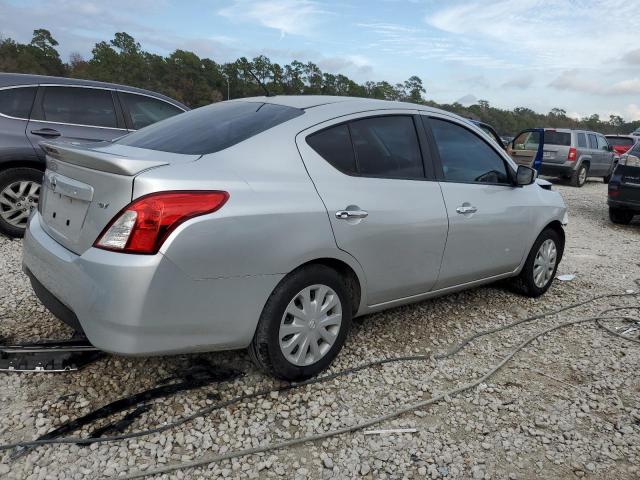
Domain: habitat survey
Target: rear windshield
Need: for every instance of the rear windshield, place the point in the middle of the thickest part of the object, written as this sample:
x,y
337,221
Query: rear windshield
x,y
620,141
210,129
552,137
635,150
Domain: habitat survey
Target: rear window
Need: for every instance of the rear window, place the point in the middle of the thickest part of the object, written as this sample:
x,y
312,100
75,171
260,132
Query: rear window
x,y
553,137
17,102
582,140
212,128
620,141
635,150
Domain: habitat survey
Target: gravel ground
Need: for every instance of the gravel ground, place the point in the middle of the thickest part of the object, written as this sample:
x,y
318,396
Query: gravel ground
x,y
568,405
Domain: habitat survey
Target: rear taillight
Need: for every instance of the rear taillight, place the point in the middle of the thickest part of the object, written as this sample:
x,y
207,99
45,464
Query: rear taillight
x,y
144,225
630,161
572,154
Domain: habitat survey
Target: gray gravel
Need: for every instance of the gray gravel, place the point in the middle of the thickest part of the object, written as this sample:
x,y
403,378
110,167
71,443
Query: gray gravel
x,y
568,407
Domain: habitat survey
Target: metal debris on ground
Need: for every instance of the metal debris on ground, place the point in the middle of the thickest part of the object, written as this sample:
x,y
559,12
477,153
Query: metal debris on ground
x,y
48,356
390,431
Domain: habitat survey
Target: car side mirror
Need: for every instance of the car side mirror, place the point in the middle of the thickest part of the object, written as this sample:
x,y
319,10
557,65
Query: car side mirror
x,y
525,176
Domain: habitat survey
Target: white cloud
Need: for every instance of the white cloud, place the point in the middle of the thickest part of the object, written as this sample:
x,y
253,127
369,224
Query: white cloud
x,y
294,17
587,81
633,111
522,82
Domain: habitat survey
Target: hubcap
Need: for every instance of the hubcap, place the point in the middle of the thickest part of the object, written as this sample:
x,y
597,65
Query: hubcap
x,y
310,325
17,200
545,263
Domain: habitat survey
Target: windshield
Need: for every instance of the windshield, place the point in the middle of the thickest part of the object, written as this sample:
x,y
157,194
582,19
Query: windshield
x,y
210,129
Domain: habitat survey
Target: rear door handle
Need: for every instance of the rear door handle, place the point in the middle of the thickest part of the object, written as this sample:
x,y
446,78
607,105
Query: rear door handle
x,y
46,132
351,214
466,209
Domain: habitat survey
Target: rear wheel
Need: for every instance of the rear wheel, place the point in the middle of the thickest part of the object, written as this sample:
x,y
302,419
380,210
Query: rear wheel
x,y
303,325
620,216
19,195
579,177
540,268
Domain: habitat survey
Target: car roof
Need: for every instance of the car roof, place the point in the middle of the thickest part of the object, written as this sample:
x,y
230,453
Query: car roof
x,y
15,79
305,102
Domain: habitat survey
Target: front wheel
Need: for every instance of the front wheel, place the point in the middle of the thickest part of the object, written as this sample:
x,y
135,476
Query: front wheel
x,y
540,267
19,195
620,216
303,325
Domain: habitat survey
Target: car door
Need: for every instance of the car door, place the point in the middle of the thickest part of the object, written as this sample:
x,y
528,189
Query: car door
x,y
526,148
596,159
606,155
74,113
142,110
489,218
385,209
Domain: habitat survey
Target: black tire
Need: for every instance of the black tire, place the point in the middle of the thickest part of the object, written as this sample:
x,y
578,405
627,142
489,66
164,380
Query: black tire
x,y
7,177
620,216
524,283
265,348
578,179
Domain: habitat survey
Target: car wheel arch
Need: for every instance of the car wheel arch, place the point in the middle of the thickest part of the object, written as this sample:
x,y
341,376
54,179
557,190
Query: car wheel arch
x,y
556,226
22,164
354,278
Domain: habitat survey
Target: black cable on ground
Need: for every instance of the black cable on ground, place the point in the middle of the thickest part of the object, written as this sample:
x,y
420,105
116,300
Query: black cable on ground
x,y
325,378
206,459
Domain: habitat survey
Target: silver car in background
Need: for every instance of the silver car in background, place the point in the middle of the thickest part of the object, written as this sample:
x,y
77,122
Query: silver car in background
x,y
574,155
269,223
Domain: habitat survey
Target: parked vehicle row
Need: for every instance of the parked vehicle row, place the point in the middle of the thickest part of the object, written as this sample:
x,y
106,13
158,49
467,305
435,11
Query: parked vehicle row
x,y
571,154
269,223
35,108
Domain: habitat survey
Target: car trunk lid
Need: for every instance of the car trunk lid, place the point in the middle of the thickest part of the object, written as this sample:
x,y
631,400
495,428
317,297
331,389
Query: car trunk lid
x,y
85,186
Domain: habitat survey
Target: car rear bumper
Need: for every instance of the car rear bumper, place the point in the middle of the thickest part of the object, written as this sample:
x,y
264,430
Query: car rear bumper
x,y
143,304
556,170
622,195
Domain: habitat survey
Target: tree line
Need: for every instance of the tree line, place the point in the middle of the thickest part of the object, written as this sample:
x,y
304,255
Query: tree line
x,y
196,81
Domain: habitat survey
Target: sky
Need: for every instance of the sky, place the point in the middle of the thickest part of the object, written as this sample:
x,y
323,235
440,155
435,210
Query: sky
x,y
578,55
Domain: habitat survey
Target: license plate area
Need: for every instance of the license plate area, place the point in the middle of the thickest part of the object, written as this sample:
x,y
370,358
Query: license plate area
x,y
64,205
548,155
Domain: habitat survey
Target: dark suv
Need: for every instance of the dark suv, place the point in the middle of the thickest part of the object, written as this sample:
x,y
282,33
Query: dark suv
x,y
34,108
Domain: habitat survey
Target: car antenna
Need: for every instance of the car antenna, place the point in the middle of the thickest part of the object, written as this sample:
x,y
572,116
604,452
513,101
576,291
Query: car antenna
x,y
264,87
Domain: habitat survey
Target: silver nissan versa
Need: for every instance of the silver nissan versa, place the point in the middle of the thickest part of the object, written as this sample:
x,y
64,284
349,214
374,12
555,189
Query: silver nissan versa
x,y
269,223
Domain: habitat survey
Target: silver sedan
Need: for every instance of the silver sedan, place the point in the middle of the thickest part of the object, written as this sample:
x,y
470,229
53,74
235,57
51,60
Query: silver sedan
x,y
269,223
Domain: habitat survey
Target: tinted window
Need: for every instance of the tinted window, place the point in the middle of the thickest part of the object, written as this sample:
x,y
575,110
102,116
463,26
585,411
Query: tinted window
x,y
635,150
465,157
582,140
620,141
593,143
17,102
334,145
551,137
82,106
212,128
602,143
146,110
387,147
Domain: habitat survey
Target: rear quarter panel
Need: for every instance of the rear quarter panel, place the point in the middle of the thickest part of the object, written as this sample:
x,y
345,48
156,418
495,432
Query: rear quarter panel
x,y
273,222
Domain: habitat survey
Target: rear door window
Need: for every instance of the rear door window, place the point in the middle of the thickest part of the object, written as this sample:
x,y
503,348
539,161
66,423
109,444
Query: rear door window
x,y
465,157
144,110
334,145
602,143
553,137
212,128
593,142
387,147
582,140
17,102
79,106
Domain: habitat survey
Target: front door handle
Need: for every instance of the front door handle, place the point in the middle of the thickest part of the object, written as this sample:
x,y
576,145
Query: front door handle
x,y
351,214
466,209
46,132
